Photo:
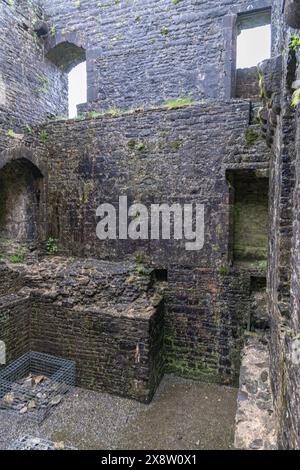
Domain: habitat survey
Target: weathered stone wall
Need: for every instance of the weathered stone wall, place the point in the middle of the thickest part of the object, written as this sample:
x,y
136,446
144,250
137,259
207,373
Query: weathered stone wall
x,y
207,314
15,325
141,54
148,51
106,317
247,83
163,156
283,280
255,419
104,347
31,88
158,156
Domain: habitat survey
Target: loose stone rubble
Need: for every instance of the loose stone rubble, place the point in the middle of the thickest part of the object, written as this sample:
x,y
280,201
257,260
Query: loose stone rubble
x,y
35,443
33,396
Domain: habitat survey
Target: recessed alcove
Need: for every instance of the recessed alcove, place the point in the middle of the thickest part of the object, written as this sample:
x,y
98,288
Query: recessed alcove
x,y
20,197
249,207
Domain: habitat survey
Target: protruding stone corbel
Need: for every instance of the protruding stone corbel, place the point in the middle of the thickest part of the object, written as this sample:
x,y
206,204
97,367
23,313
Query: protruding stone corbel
x,y
41,28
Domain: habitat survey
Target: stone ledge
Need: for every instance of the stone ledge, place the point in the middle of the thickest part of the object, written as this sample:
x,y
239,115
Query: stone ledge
x,y
255,419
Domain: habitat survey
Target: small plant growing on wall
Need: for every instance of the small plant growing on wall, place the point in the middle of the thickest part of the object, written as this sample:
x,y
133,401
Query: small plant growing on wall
x,y
296,98
223,270
131,143
28,129
140,147
53,30
294,42
44,136
178,103
251,136
51,246
164,31
12,134
44,84
18,257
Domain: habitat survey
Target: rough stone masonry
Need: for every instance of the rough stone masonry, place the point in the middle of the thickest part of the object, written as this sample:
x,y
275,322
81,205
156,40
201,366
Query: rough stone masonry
x,y
168,119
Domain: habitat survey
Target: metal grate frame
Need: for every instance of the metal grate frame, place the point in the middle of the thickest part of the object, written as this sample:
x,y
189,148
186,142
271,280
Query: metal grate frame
x,y
61,372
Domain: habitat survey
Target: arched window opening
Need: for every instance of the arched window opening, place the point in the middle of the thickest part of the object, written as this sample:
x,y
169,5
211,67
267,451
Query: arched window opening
x,y
20,200
72,60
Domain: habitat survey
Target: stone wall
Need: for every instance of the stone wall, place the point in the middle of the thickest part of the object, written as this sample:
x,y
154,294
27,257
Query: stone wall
x,y
255,418
283,280
31,89
141,55
14,325
207,314
163,156
247,83
106,317
158,156
147,52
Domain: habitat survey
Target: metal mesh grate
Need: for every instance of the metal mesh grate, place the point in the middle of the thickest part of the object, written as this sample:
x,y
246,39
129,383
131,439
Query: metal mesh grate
x,y
35,384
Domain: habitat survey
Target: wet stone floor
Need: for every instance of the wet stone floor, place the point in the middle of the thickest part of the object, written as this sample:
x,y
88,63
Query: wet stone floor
x,y
184,415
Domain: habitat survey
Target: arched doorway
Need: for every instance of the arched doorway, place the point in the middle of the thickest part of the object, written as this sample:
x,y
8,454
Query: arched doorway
x,y
21,188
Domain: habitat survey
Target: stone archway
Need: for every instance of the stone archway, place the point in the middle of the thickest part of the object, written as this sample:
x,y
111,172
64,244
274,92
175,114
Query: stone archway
x,y
66,55
21,195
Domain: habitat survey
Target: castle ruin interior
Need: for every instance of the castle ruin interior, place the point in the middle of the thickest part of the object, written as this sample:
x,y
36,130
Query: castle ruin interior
x,y
169,118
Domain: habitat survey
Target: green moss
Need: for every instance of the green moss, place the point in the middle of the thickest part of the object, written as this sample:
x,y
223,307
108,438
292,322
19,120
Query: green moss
x,y
12,134
140,146
18,257
200,371
53,30
251,137
96,114
131,143
264,263
109,112
164,31
140,258
296,98
250,218
44,84
176,144
51,246
28,129
223,270
261,83
178,103
294,42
